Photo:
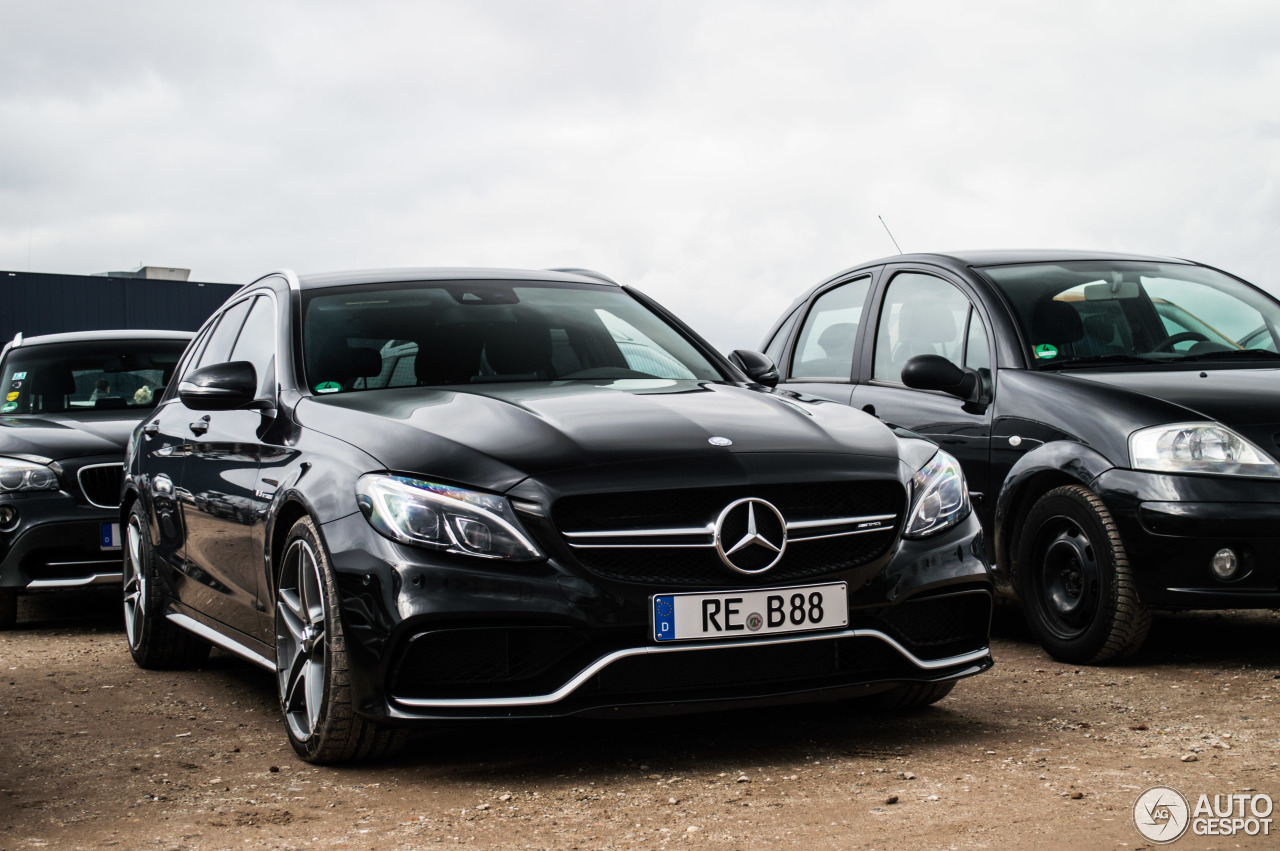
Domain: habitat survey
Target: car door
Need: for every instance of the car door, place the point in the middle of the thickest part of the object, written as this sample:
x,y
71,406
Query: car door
x,y
225,515
921,313
821,360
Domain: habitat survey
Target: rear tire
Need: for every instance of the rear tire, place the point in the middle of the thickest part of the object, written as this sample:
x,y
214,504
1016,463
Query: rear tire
x,y
154,642
1074,580
8,608
312,676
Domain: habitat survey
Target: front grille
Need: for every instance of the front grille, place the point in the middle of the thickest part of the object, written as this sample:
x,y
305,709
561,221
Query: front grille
x,y
806,556
101,484
816,662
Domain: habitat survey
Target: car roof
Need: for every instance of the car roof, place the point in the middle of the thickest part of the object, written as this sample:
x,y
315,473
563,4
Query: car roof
x,y
383,276
122,334
1008,257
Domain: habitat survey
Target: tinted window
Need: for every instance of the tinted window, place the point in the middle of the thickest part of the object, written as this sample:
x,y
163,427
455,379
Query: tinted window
x,y
825,347
444,333
921,315
218,349
779,342
90,375
257,343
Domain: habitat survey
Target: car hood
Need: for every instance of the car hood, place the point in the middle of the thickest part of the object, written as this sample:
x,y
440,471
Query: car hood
x,y
57,437
495,435
1233,397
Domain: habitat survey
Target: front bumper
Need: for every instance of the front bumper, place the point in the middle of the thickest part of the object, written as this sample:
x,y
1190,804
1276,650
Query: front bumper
x,y
58,543
1173,524
432,636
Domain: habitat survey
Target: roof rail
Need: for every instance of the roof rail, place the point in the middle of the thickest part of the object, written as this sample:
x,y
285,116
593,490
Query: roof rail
x,y
588,273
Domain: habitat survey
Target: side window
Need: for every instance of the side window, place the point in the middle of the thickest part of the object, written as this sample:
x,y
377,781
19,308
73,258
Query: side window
x,y
921,315
257,344
825,346
189,360
218,349
977,352
779,342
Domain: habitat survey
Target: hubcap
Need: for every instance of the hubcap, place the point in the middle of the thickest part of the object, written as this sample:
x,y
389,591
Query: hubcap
x,y
300,639
135,584
1068,577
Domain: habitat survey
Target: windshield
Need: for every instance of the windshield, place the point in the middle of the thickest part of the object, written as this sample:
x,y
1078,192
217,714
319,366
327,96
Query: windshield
x,y
471,332
1077,313
69,377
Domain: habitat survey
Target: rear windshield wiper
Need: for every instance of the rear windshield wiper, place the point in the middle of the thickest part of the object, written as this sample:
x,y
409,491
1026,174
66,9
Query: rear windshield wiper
x,y
1101,360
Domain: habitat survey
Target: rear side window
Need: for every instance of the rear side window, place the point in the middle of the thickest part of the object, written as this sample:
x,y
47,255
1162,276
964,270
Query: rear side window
x,y
825,347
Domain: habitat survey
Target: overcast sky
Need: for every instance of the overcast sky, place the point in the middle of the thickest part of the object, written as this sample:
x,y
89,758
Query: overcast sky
x,y
722,155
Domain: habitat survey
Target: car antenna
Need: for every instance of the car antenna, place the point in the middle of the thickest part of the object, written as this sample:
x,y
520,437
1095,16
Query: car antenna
x,y
886,230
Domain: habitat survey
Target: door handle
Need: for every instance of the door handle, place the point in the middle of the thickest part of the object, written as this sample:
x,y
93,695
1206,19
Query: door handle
x,y
200,426
151,429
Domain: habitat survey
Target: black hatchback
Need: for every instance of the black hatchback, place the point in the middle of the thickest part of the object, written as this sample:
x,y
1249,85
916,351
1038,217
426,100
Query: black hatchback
x,y
1117,417
430,494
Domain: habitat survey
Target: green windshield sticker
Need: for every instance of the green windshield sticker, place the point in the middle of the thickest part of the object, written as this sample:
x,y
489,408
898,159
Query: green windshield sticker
x,y
328,387
9,406
1046,351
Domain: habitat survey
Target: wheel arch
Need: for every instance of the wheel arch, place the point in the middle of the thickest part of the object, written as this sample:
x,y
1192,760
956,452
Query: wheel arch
x,y
292,509
1035,474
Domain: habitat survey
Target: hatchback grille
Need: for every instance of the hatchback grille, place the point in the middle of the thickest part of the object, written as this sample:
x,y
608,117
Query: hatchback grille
x,y
832,526
101,484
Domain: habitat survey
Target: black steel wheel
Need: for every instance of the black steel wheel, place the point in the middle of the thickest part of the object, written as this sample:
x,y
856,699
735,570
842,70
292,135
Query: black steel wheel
x,y
154,642
1074,580
311,660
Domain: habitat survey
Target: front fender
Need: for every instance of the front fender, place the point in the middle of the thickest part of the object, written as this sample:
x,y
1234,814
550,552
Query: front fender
x,y
1060,462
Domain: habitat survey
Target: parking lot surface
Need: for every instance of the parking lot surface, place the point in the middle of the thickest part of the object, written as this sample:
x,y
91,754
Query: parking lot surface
x,y
96,753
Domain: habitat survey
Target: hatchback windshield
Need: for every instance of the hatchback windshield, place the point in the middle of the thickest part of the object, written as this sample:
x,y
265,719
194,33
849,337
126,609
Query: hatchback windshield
x,y
63,377
1096,311
471,332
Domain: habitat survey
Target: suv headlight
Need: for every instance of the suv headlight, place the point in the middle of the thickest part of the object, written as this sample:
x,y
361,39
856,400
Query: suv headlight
x,y
939,497
1198,448
16,475
453,519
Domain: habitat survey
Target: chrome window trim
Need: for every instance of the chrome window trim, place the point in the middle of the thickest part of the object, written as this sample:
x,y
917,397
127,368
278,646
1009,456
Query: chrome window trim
x,y
80,482
604,661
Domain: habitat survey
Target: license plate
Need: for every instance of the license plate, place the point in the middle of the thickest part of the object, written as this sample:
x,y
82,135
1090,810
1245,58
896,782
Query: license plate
x,y
111,536
749,614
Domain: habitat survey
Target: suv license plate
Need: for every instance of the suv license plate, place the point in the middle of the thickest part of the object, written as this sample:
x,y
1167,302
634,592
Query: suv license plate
x,y
748,614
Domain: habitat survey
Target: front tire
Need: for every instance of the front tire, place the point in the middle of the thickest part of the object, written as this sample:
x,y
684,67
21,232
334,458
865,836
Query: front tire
x,y
312,676
1075,582
154,642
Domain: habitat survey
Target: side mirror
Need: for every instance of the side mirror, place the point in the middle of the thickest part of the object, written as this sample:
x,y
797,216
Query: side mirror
x,y
760,368
220,387
934,372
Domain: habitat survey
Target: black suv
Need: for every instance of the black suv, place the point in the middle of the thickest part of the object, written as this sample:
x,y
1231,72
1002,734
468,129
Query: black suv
x,y
1117,418
70,403
462,494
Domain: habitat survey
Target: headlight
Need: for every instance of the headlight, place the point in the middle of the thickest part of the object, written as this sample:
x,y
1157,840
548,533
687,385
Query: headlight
x,y
939,497
1198,448
413,511
18,475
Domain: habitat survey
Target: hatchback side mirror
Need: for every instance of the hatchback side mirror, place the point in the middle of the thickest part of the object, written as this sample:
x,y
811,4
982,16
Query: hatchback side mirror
x,y
934,372
760,368
220,387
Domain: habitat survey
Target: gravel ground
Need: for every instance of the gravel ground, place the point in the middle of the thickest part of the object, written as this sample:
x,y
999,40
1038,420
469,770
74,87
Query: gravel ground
x,y
96,753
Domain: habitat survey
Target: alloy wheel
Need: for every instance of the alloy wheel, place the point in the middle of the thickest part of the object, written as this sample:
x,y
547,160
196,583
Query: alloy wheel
x,y
135,584
301,648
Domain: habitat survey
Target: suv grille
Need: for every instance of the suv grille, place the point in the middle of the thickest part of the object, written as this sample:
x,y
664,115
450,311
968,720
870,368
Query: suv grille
x,y
101,484
612,535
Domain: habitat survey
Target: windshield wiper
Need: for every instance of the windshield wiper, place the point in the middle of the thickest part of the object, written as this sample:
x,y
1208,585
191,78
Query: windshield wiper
x,y
1232,354
1102,360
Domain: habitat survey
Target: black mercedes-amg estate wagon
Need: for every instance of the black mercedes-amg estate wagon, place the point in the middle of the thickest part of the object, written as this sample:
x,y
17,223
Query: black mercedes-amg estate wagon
x,y
437,494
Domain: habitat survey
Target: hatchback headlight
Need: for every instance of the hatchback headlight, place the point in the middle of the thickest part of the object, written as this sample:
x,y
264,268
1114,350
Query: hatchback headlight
x,y
1199,448
449,518
16,475
939,497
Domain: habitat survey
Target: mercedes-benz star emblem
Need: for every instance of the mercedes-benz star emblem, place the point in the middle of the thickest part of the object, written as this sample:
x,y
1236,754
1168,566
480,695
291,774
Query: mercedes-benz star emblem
x,y
719,441
750,535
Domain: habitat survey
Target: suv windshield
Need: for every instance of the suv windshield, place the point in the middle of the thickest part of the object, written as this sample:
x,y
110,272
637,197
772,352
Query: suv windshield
x,y
68,377
1116,312
470,332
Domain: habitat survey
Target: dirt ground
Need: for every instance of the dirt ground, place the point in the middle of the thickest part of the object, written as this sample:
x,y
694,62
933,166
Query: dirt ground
x,y
96,753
